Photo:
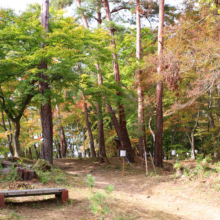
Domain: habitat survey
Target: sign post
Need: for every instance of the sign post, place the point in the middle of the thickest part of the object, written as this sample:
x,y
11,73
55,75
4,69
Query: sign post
x,y
123,154
173,153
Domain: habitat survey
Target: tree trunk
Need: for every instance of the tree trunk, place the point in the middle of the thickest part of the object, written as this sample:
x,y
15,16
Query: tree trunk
x,y
191,138
37,152
159,127
85,22
122,119
59,149
9,136
123,138
214,136
62,135
192,146
30,153
16,142
46,111
92,146
63,141
102,152
139,86
158,160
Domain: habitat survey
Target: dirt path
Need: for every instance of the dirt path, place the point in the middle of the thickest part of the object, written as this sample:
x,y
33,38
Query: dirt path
x,y
158,197
135,196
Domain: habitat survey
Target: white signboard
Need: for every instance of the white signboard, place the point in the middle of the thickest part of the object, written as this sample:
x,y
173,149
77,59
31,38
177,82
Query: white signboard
x,y
173,152
122,153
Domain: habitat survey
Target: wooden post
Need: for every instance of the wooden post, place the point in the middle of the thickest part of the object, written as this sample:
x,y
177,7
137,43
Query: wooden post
x,y
123,166
145,155
173,161
2,200
152,163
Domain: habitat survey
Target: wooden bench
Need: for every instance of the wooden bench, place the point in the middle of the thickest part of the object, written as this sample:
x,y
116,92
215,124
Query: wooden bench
x,y
60,193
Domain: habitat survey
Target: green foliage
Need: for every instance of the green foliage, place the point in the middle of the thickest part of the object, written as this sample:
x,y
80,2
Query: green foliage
x,y
60,178
90,181
204,165
12,175
98,199
177,165
109,189
55,175
60,4
14,216
98,204
45,177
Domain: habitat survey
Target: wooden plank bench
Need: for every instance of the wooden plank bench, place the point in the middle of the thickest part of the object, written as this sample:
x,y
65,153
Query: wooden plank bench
x,y
60,193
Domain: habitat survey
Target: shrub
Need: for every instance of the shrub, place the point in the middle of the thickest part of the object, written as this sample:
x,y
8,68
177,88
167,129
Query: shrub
x,y
90,181
45,177
177,165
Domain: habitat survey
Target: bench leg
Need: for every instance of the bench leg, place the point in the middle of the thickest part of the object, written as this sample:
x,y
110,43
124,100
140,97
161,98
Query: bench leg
x,y
2,200
64,196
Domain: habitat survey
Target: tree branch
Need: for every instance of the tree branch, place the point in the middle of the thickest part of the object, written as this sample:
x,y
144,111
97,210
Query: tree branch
x,y
151,130
197,120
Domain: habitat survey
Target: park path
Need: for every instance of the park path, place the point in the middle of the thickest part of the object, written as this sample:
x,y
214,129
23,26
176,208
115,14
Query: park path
x,y
136,196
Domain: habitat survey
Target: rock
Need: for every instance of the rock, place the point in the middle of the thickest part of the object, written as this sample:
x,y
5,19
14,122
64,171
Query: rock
x,y
6,170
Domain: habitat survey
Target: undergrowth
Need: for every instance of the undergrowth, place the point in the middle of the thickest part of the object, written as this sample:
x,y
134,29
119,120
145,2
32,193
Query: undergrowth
x,y
99,199
55,175
10,176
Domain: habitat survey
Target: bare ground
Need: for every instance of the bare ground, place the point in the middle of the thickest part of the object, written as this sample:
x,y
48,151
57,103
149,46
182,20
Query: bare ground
x,y
135,196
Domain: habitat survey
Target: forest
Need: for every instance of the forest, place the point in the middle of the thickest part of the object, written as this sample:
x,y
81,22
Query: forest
x,y
133,75
77,83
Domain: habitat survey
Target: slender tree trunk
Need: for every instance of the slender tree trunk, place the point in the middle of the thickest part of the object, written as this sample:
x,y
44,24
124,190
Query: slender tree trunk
x,y
63,141
37,152
193,147
122,119
62,135
102,152
192,144
30,153
46,111
85,22
192,139
16,142
214,136
139,86
158,159
59,149
9,136
92,146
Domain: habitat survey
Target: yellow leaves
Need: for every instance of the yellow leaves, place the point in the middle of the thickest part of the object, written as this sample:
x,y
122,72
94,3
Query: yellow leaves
x,y
4,134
